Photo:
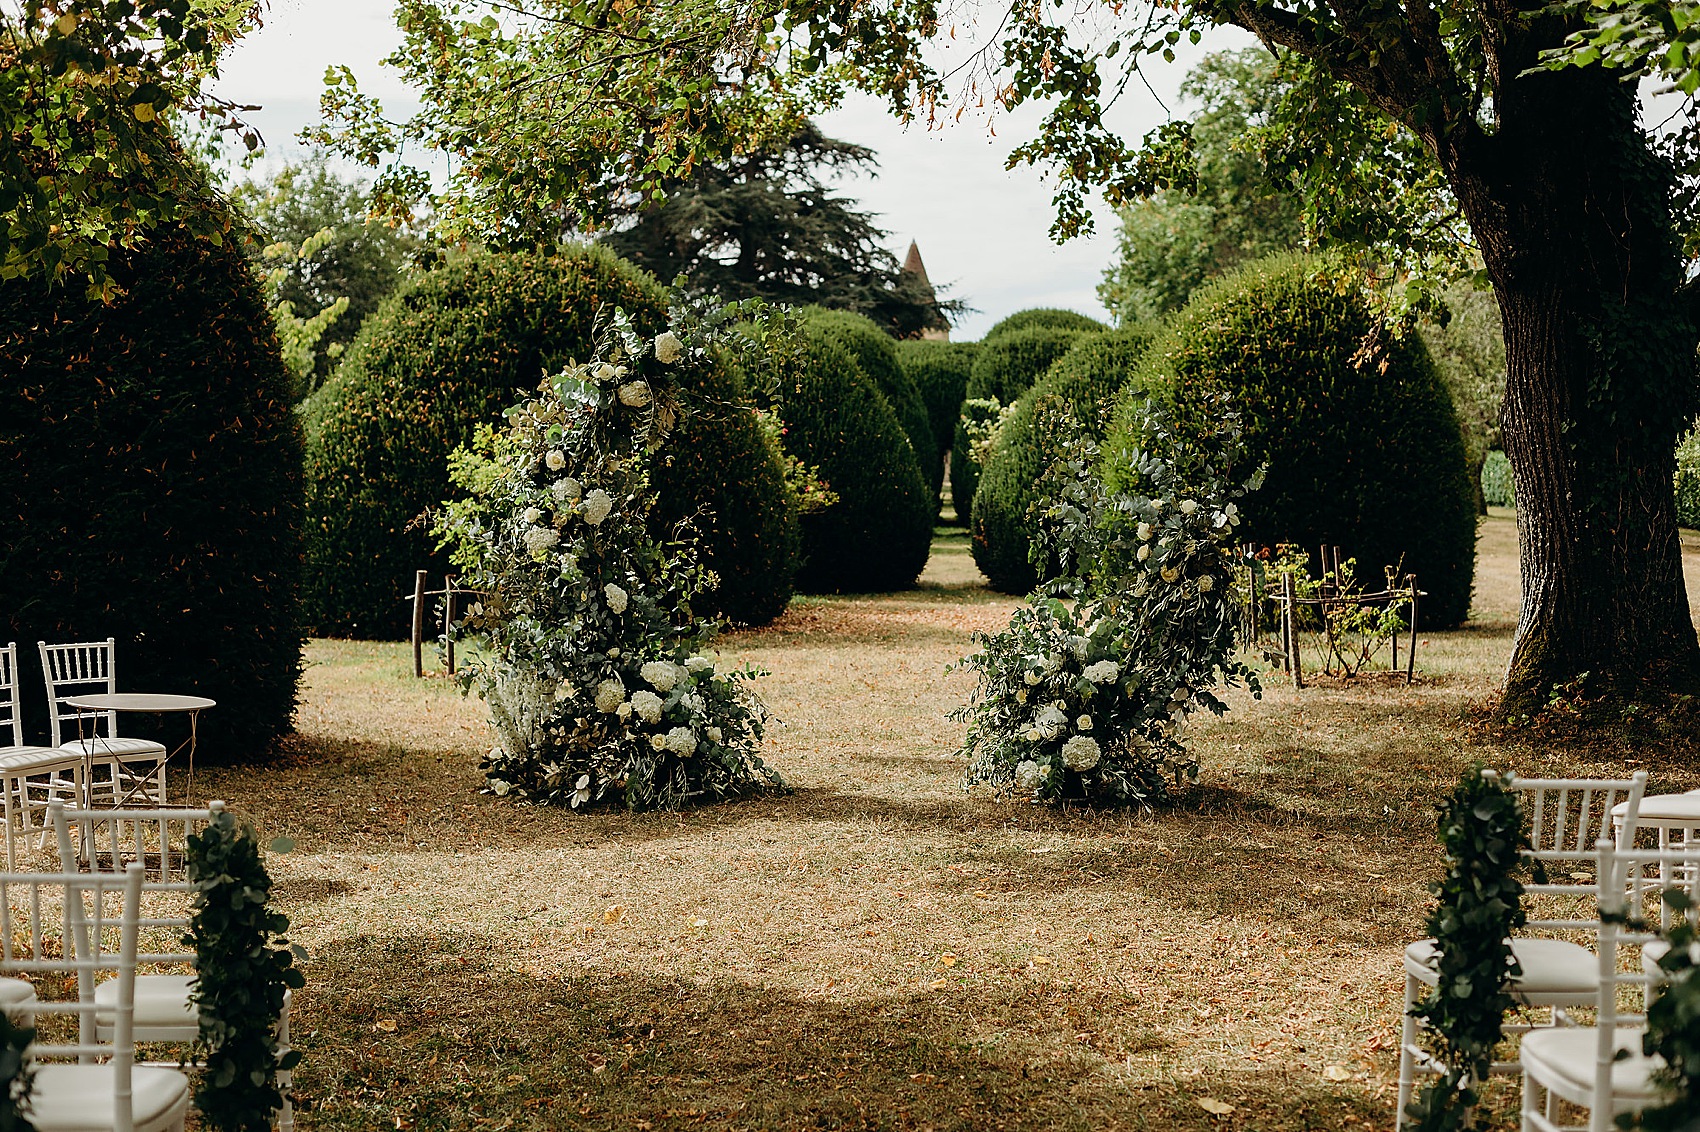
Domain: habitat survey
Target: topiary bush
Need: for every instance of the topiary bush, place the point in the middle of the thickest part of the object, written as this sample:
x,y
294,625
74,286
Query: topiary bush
x,y
875,352
1082,380
450,351
877,536
1358,431
152,487
1004,368
940,373
1497,489
1050,318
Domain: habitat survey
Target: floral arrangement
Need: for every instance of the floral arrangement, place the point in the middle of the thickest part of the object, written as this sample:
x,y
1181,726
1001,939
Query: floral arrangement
x,y
1085,695
585,645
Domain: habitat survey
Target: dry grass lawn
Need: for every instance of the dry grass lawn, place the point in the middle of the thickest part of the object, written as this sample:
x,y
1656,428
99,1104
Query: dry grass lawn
x,y
877,949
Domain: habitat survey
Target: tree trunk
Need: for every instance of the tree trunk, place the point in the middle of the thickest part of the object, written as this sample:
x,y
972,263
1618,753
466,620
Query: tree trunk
x,y
1571,211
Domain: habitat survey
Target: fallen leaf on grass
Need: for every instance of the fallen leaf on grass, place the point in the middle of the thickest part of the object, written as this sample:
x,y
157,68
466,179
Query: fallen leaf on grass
x,y
1336,1073
614,914
387,1025
1041,961
939,984
699,922
1213,1106
948,959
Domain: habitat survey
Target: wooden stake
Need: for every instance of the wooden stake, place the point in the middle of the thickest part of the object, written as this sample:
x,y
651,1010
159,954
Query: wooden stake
x,y
448,622
418,623
1290,593
1411,653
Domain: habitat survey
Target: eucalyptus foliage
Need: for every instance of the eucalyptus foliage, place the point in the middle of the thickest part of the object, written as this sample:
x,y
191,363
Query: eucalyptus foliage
x,y
243,969
1085,695
1480,906
587,650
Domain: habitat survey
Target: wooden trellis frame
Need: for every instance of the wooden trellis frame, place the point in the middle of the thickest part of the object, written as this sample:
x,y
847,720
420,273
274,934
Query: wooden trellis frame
x,y
1285,594
449,593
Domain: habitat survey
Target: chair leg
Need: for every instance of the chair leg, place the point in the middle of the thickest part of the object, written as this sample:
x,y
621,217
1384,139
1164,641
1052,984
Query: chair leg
x,y
285,1077
11,836
1407,1064
1530,1088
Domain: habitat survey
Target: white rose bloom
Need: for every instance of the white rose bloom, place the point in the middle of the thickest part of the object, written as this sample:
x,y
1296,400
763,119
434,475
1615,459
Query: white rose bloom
x,y
581,791
1171,574
648,706
555,459
604,373
1021,695
1188,506
567,490
1144,531
1081,753
1034,735
658,742
635,393
565,691
715,734
682,742
617,597
610,694
662,675
668,348
1145,552
598,505
1104,672
614,653
540,539
1032,678
1206,583
1027,776
698,664
1084,723
531,515
624,712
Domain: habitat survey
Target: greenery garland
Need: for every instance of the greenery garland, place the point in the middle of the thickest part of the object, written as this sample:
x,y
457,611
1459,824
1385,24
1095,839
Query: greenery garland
x,y
1481,904
17,1075
243,969
1673,1028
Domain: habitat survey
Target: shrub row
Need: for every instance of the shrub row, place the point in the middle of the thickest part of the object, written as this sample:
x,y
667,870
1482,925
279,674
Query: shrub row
x,y
875,354
940,373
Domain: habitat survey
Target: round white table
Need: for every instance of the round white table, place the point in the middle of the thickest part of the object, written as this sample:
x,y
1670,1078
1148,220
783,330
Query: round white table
x,y
145,703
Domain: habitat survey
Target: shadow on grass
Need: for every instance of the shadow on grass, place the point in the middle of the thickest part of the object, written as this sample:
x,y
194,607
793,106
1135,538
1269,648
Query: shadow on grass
x,y
441,1032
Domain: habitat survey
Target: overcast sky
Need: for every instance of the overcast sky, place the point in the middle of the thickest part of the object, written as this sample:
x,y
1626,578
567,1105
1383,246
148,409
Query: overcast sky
x,y
982,229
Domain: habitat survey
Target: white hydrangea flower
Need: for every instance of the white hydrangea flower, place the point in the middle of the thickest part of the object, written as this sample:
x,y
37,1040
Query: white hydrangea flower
x,y
1081,753
531,515
617,597
648,706
1051,722
610,694
1188,506
1206,583
1104,672
635,393
682,741
697,665
538,540
1084,723
581,791
693,703
555,459
1054,662
1079,647
662,675
714,734
1028,776
567,491
1144,532
598,505
668,348
1144,551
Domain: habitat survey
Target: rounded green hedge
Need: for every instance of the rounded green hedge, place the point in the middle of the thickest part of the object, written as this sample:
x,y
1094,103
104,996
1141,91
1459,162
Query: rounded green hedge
x,y
1362,444
940,373
1004,368
1497,489
877,536
1085,379
875,352
151,488
1050,318
449,351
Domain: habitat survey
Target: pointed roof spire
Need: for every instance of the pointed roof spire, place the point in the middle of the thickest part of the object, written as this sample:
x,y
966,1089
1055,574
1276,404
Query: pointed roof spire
x,y
912,262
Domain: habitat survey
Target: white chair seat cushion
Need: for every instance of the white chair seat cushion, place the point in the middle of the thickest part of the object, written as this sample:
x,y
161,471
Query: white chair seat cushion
x,y
1562,1059
122,748
78,1098
15,759
15,990
1550,966
161,1000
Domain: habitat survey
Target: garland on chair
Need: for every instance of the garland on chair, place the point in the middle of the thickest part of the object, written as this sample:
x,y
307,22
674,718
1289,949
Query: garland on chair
x,y
17,1075
243,968
1673,1028
1480,905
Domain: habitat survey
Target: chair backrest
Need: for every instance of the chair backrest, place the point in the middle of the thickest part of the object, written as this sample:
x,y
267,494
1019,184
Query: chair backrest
x,y
41,914
10,714
1632,880
1567,819
111,841
84,668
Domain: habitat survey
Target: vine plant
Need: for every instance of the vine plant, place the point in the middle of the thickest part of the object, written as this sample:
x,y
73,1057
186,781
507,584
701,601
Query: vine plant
x,y
244,967
1480,905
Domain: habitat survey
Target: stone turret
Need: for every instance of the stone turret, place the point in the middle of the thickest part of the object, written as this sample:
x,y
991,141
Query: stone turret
x,y
913,265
